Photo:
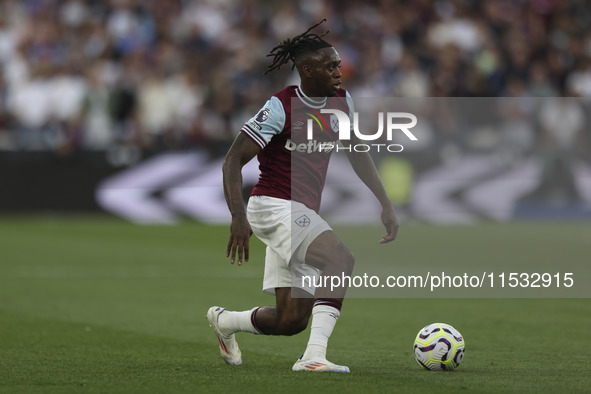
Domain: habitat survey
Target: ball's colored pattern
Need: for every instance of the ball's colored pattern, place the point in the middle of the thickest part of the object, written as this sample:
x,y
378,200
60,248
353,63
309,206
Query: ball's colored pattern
x,y
439,347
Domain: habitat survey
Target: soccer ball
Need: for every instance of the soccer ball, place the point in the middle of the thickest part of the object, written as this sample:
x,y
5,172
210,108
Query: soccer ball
x,y
439,347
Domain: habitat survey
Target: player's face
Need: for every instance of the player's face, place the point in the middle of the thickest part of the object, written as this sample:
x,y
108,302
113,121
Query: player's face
x,y
326,73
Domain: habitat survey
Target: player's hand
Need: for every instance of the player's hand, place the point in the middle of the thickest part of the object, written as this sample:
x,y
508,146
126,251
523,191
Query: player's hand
x,y
390,221
240,233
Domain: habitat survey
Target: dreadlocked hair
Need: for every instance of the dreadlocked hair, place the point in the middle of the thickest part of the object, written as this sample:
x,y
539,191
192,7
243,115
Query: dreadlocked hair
x,y
293,47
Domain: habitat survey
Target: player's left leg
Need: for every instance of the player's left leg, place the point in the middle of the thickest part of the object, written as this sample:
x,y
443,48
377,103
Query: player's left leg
x,y
327,253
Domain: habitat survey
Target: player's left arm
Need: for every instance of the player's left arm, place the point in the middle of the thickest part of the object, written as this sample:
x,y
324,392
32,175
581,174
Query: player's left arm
x,y
366,171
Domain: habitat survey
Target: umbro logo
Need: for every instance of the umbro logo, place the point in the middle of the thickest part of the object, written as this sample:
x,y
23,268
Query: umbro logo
x,y
298,125
303,221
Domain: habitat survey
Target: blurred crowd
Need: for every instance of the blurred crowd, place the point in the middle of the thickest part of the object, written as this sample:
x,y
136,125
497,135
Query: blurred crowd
x,y
161,74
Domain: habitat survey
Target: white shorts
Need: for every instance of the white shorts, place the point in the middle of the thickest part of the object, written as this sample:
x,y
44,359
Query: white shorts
x,y
287,228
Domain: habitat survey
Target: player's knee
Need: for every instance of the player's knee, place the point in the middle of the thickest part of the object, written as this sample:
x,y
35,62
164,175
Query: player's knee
x,y
291,325
348,260
344,260
296,327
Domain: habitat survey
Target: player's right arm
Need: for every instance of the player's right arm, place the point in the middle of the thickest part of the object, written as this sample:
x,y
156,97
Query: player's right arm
x,y
241,152
253,137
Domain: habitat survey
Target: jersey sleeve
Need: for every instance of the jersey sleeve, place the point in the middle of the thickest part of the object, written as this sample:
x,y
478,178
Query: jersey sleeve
x,y
268,122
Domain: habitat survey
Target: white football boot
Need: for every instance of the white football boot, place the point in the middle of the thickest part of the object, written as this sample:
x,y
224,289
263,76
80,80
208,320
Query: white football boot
x,y
318,365
228,346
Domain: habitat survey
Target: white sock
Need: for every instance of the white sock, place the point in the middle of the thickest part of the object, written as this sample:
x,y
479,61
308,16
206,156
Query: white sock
x,y
324,318
233,322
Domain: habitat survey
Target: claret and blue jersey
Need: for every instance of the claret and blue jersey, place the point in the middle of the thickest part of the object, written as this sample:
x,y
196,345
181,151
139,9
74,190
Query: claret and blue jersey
x,y
293,167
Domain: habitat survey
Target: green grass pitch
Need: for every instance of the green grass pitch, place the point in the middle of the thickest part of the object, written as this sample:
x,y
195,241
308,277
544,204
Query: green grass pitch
x,y
94,304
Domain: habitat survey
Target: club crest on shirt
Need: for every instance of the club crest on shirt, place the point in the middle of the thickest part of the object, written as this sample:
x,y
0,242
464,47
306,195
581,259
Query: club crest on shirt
x,y
334,123
303,221
263,115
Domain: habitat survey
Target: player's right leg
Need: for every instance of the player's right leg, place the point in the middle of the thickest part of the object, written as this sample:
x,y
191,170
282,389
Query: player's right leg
x,y
262,218
271,220
288,317
225,324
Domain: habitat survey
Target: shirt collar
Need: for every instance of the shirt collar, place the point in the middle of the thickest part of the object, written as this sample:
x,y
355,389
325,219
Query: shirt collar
x,y
312,103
